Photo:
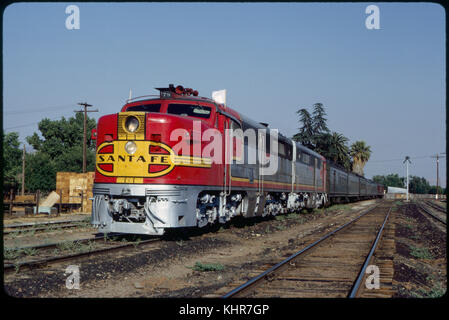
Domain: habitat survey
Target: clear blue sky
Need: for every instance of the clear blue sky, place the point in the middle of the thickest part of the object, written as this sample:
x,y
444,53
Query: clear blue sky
x,y
386,87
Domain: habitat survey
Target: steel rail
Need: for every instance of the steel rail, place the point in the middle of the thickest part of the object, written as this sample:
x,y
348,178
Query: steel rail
x,y
65,226
38,227
356,287
420,206
435,206
254,280
55,244
33,224
35,263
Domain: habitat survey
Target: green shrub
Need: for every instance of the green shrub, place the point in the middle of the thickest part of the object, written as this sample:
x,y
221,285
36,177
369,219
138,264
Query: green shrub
x,y
207,266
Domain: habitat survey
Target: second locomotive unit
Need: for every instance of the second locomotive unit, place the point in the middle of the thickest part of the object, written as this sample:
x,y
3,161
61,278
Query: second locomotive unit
x,y
152,173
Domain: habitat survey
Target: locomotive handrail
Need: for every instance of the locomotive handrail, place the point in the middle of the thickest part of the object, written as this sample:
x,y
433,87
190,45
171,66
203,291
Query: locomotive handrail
x,y
148,95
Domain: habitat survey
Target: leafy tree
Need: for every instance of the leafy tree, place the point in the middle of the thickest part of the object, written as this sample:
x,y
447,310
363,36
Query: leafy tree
x,y
360,153
40,172
62,142
306,133
418,185
315,134
433,190
12,156
319,124
58,148
391,180
312,126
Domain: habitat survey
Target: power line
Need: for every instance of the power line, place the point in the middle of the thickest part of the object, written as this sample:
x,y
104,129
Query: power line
x,y
65,106
411,158
30,124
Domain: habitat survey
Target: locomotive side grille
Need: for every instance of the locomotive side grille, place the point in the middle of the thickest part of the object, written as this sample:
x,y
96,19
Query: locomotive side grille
x,y
97,190
150,192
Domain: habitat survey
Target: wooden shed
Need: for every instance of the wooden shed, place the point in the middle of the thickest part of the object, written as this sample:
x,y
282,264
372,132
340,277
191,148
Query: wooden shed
x,y
76,188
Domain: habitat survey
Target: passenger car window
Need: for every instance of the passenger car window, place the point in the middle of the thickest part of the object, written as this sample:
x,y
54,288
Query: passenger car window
x,y
306,158
156,107
189,110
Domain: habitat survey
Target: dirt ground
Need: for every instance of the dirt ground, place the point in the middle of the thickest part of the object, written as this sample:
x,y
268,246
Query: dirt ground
x,y
201,263
420,261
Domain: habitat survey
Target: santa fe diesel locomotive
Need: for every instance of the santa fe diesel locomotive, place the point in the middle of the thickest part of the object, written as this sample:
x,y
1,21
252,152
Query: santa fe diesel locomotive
x,y
155,168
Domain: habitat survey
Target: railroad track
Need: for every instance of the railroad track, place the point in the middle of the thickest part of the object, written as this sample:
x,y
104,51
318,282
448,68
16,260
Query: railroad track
x,y
435,206
44,256
42,226
425,208
333,265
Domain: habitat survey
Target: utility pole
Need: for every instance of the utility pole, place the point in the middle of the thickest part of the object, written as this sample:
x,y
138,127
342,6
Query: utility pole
x,y
23,171
437,156
86,105
407,161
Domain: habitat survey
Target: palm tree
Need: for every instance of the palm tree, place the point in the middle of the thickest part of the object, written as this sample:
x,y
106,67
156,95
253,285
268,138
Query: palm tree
x,y
338,149
360,154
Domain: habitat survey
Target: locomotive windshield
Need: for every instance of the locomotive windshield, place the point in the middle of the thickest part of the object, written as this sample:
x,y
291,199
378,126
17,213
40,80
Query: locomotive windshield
x,y
189,110
146,108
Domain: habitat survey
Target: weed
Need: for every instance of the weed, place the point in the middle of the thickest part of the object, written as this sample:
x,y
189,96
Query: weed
x,y
66,246
137,242
207,267
29,251
420,253
338,207
280,227
180,243
11,254
409,219
89,246
293,215
436,292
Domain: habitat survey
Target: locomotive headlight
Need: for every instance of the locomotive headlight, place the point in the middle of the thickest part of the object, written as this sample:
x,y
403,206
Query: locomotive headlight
x,y
131,124
130,147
